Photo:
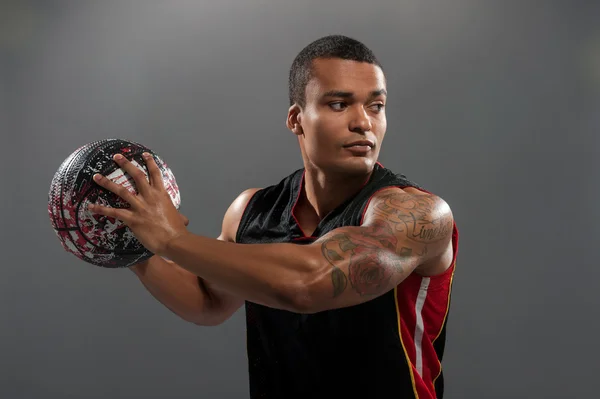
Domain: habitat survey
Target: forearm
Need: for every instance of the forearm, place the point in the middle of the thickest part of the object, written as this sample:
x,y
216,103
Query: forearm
x,y
177,289
345,267
270,274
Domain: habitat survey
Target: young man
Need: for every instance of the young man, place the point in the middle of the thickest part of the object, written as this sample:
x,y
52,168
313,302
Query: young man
x,y
345,268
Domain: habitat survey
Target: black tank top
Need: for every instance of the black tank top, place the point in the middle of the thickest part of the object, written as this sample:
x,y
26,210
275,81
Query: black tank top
x,y
363,351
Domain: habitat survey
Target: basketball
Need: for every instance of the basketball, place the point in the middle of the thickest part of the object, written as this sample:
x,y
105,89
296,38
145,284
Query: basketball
x,y
93,238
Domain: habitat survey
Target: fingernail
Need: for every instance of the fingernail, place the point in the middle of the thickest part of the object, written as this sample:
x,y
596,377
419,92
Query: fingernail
x,y
146,155
97,177
118,157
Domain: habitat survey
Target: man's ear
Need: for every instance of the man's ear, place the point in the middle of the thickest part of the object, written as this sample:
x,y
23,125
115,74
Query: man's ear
x,y
293,121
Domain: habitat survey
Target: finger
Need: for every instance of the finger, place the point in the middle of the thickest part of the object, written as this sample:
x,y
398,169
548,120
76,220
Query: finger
x,y
138,176
154,172
117,213
118,189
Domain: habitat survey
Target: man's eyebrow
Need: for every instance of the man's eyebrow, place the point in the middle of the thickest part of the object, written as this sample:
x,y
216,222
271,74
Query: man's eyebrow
x,y
347,94
379,92
337,93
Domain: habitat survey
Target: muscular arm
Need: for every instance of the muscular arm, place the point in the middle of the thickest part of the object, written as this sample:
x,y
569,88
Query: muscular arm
x,y
345,267
401,231
187,295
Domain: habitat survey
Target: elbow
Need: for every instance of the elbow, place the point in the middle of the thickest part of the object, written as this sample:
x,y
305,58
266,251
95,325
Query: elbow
x,y
298,296
204,317
196,319
204,321
296,299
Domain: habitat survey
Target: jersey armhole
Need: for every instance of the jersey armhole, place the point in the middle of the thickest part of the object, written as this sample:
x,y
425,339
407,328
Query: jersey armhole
x,y
245,219
443,279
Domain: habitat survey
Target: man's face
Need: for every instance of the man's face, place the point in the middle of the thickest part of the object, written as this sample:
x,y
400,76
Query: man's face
x,y
343,123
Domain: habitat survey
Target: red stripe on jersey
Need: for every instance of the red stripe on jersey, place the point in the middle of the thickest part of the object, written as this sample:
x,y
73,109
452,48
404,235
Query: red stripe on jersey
x,y
447,286
422,304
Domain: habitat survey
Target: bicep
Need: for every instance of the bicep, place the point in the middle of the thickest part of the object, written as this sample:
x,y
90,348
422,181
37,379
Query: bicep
x,y
365,262
400,232
222,302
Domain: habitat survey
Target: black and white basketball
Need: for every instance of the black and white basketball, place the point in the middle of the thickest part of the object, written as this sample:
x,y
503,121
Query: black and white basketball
x,y
97,239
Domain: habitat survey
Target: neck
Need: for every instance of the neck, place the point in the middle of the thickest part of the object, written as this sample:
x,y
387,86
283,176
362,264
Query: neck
x,y
322,192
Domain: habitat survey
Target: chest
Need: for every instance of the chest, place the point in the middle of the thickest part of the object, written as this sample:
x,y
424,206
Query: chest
x,y
308,222
280,225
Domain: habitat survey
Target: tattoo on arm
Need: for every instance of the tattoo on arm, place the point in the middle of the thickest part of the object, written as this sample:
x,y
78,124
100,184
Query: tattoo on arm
x,y
414,214
372,254
366,252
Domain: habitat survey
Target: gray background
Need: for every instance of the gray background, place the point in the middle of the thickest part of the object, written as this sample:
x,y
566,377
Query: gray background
x,y
492,105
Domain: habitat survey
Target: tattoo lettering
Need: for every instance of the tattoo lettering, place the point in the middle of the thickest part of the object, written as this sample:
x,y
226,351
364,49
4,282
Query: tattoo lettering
x,y
413,214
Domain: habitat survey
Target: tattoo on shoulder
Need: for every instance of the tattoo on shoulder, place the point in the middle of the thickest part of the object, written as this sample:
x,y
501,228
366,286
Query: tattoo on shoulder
x,y
415,215
372,253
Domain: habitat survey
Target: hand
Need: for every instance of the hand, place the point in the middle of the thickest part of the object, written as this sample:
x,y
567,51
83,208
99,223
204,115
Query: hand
x,y
152,217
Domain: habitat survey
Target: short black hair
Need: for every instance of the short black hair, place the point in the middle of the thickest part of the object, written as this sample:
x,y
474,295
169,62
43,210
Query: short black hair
x,y
332,46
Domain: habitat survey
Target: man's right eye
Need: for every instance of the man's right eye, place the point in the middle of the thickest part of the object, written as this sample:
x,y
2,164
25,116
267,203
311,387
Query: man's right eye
x,y
338,105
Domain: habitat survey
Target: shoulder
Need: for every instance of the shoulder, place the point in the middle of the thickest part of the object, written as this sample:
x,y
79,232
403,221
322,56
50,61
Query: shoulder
x,y
407,199
233,215
265,196
415,214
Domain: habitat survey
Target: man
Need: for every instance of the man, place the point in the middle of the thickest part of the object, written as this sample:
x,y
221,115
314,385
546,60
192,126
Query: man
x,y
347,267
